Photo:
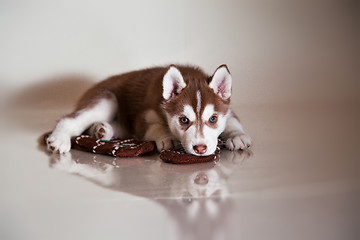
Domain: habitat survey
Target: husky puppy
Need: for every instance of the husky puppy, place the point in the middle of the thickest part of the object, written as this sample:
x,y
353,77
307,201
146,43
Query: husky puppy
x,y
169,105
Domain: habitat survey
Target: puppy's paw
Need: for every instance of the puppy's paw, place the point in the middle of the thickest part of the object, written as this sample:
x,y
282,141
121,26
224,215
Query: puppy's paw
x,y
101,130
164,143
241,141
58,143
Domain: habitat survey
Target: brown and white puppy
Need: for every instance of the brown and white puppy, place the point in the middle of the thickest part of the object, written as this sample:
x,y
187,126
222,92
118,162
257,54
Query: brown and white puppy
x,y
168,105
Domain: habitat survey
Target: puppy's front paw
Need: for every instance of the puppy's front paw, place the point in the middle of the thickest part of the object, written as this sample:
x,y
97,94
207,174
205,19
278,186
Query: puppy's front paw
x,y
164,143
58,143
101,130
241,141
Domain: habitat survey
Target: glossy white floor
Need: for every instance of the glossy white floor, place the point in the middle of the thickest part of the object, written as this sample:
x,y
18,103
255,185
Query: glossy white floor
x,y
297,182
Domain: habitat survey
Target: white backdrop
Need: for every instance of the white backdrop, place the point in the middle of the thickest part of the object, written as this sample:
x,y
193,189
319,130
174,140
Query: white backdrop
x,y
277,51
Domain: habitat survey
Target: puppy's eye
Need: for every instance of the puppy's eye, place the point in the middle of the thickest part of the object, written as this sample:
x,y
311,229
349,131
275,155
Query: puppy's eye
x,y
184,120
213,119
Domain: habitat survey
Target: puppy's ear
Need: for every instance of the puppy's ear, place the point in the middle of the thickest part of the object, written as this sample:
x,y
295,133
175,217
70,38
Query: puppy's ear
x,y
173,83
221,82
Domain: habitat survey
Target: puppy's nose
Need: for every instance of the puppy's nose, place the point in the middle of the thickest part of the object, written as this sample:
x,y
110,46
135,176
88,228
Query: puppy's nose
x,y
200,149
201,179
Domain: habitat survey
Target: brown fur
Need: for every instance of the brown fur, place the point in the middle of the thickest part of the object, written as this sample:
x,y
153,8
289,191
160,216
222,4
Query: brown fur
x,y
142,90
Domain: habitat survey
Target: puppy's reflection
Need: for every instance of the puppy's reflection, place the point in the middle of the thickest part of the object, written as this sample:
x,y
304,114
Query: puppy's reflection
x,y
195,195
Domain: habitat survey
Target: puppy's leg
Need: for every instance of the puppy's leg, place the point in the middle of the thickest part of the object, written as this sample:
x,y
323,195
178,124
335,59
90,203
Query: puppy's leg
x,y
234,134
157,131
101,130
102,110
107,130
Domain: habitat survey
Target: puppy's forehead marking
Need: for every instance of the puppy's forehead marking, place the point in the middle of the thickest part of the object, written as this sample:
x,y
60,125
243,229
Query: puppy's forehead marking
x,y
198,98
198,109
189,113
208,112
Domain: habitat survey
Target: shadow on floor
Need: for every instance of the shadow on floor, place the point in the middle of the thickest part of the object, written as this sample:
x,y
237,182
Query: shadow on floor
x,y
37,107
